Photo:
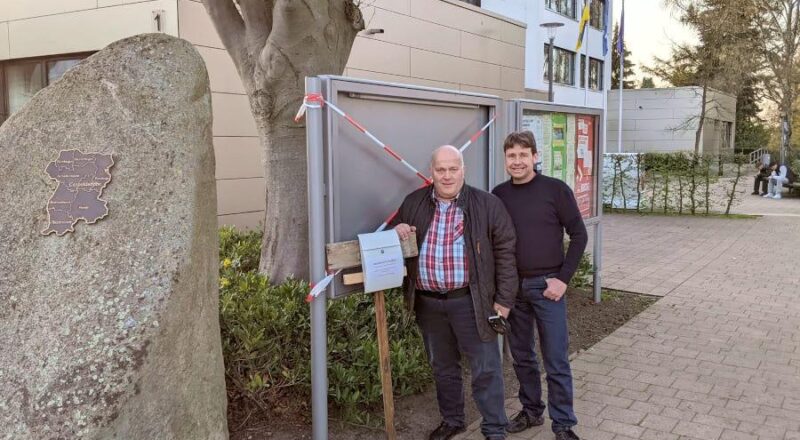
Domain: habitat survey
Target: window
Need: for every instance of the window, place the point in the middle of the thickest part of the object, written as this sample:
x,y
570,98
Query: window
x,y
597,13
563,67
20,80
595,73
23,80
583,71
563,7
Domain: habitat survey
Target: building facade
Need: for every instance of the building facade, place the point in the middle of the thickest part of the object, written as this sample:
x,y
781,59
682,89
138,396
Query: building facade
x,y
490,46
666,120
570,68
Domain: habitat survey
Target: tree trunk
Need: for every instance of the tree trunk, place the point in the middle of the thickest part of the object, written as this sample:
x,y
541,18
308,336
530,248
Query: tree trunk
x,y
698,136
639,182
693,186
622,176
614,184
653,193
732,194
284,249
275,45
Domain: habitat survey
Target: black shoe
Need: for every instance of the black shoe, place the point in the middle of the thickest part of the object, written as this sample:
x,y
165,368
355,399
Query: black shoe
x,y
755,193
523,421
495,437
445,432
567,435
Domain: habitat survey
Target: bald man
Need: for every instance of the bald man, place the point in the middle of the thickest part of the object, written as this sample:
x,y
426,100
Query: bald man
x,y
465,273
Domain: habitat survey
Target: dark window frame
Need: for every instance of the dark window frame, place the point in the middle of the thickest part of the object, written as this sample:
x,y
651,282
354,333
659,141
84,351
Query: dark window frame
x,y
43,62
554,9
598,19
598,64
571,70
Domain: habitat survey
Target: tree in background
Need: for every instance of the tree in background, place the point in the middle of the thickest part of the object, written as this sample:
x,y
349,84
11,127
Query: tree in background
x,y
778,43
627,71
275,44
680,70
647,83
751,133
726,30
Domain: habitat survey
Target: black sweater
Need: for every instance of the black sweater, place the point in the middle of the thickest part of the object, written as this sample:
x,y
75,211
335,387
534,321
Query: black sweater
x,y
541,210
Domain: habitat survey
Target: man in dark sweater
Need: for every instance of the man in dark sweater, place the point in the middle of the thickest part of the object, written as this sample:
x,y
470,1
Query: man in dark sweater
x,y
542,208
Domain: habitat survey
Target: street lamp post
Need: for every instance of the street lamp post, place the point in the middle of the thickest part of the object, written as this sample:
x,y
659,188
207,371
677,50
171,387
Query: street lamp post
x,y
551,28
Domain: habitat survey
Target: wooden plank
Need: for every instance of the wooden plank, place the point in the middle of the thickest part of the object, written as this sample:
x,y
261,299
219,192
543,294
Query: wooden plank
x,y
347,254
385,365
358,277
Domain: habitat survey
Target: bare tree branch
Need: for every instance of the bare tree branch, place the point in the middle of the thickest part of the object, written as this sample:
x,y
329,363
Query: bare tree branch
x,y
257,15
229,25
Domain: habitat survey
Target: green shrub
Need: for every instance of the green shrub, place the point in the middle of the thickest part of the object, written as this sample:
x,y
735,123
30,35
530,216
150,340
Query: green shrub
x,y
584,275
266,339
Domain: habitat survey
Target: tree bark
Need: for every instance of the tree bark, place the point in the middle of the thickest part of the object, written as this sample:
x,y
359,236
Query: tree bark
x,y
699,133
275,45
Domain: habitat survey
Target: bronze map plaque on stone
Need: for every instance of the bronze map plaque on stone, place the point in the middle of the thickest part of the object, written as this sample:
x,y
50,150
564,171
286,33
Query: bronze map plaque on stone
x,y
81,179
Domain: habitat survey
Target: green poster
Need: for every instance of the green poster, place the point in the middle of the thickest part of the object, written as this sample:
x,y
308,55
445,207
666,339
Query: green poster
x,y
558,156
571,147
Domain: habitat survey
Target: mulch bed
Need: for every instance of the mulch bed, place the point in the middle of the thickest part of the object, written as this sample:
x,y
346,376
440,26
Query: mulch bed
x,y
417,415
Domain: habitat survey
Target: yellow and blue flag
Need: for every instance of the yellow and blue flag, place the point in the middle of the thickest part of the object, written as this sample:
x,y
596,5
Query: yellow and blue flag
x,y
582,25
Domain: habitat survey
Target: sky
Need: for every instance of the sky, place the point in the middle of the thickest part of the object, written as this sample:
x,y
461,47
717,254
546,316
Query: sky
x,y
650,31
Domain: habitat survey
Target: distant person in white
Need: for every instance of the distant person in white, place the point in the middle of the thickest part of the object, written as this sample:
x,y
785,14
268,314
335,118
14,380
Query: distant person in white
x,y
776,180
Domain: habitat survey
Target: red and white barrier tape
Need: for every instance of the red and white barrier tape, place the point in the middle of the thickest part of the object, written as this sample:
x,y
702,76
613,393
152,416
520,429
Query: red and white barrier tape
x,y
315,100
312,100
387,149
320,286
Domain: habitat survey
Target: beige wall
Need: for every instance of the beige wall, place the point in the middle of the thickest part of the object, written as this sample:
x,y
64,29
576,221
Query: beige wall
x,y
439,43
31,28
240,173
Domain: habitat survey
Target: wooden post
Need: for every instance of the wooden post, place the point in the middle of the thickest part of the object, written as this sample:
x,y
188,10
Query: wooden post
x,y
347,255
385,364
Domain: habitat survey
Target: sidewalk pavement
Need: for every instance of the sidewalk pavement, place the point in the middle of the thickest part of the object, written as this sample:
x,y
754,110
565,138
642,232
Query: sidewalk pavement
x,y
718,357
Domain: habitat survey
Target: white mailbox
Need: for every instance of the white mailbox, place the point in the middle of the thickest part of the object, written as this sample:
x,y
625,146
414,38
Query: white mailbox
x,y
381,260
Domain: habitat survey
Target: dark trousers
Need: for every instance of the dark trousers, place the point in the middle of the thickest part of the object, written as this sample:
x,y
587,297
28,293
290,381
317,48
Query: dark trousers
x,y
764,179
550,317
449,329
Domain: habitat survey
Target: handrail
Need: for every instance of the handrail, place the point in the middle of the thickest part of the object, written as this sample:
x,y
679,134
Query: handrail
x,y
756,155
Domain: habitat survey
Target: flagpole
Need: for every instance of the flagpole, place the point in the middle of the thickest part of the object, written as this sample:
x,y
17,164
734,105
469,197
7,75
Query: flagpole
x,y
586,63
620,35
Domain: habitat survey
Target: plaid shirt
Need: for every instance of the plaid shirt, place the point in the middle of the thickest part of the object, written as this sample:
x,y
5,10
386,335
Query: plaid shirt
x,y
442,258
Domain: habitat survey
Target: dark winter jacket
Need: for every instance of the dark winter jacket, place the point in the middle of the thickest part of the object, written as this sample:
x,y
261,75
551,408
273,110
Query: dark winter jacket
x,y
490,240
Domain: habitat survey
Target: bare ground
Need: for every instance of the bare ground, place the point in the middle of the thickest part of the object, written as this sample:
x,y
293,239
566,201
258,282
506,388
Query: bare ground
x,y
416,415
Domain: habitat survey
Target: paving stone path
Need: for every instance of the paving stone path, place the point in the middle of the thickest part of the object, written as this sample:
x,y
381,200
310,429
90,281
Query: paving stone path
x,y
718,357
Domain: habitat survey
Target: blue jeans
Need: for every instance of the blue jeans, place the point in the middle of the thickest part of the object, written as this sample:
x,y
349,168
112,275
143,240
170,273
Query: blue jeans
x,y
449,329
550,317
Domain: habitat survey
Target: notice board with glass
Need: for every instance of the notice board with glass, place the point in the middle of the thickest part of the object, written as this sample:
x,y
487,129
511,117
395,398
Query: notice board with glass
x,y
567,139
